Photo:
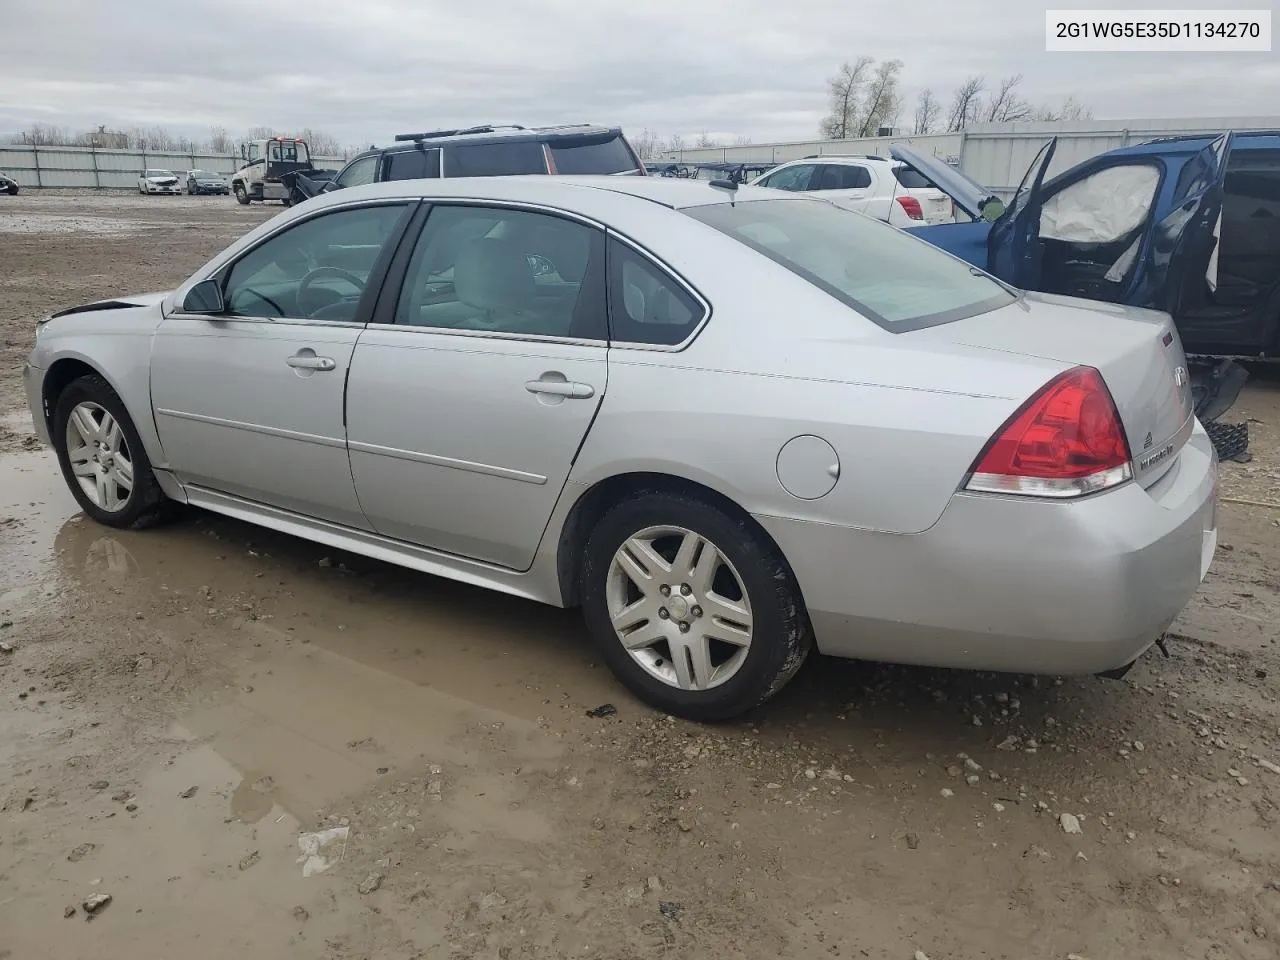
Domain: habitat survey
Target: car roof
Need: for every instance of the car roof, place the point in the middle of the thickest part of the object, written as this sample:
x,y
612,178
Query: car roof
x,y
566,191
839,158
1195,142
497,134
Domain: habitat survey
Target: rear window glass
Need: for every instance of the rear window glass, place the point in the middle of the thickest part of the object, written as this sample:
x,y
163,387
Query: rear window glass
x,y
910,178
894,279
592,155
413,164
494,159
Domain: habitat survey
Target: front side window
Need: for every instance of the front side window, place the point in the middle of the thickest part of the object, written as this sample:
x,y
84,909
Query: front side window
x,y
493,270
253,152
646,304
358,172
892,278
791,178
315,270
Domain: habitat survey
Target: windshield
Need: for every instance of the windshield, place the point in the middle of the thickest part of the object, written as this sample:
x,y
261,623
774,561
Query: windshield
x,y
892,278
158,173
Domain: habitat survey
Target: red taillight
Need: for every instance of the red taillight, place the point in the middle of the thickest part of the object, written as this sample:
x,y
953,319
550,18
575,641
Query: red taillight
x,y
911,207
1066,441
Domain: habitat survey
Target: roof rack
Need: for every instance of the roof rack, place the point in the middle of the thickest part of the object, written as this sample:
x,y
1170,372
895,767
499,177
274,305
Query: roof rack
x,y
459,132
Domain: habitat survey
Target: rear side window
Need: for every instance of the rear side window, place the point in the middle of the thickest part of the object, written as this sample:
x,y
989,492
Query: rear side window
x,y
494,159
910,179
898,281
594,154
646,304
413,165
833,176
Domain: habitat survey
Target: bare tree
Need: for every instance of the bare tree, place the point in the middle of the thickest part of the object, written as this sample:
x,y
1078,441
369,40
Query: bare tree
x,y
322,144
675,144
1005,106
261,133
648,144
964,104
1071,109
927,110
882,102
741,141
705,140
844,92
220,141
45,135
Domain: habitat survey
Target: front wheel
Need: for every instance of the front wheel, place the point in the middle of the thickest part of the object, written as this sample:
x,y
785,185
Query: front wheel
x,y
242,198
102,457
693,608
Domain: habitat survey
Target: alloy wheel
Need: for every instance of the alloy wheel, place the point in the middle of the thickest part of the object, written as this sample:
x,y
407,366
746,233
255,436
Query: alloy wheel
x,y
679,607
99,456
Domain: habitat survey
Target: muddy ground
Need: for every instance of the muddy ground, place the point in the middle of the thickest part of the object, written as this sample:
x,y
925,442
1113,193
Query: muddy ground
x,y
178,707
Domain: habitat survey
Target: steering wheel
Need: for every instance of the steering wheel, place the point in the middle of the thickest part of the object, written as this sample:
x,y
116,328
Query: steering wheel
x,y
320,272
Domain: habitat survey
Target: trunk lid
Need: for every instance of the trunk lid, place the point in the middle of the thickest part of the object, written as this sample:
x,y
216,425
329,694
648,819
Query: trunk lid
x,y
1137,351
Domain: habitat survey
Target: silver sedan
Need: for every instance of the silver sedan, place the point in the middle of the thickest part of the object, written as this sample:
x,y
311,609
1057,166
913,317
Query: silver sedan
x,y
730,425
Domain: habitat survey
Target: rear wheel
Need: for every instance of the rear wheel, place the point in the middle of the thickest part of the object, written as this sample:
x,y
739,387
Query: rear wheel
x,y
102,457
241,197
693,609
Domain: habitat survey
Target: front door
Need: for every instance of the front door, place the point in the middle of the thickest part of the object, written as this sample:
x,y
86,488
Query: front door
x,y
475,385
1013,245
250,402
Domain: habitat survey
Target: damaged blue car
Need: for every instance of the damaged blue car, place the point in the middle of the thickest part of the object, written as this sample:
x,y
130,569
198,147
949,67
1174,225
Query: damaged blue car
x,y
1188,225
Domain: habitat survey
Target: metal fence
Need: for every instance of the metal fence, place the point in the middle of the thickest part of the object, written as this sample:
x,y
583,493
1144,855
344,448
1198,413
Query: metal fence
x,y
995,154
92,168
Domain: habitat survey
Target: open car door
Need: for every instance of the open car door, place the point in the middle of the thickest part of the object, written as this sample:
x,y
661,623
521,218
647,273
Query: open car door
x,y
1179,268
1013,245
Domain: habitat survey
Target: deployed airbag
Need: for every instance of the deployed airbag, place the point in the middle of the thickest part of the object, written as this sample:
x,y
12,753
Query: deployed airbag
x,y
1101,208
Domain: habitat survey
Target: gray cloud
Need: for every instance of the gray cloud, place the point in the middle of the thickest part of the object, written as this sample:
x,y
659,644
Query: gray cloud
x,y
366,69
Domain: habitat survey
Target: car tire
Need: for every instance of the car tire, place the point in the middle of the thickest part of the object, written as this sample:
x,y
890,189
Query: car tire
x,y
12,189
242,198
726,679
99,408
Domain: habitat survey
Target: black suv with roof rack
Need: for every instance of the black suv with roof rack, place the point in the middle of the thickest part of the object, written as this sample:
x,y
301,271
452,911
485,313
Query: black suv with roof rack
x,y
488,151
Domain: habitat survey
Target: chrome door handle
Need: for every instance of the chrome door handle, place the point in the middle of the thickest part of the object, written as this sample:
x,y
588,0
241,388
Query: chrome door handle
x,y
561,388
311,363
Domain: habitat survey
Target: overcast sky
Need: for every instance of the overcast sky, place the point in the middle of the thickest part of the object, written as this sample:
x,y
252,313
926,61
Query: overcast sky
x,y
363,70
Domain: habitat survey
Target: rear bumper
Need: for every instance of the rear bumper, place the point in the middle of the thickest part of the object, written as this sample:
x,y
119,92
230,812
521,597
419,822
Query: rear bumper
x,y
1009,584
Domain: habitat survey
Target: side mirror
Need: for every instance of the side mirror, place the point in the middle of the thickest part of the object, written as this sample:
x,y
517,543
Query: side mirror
x,y
992,210
205,297
243,155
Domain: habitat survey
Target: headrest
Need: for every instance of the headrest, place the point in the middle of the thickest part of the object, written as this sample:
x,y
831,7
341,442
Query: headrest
x,y
493,274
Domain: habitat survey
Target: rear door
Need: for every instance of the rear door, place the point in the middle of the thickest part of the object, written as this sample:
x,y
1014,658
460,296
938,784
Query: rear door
x,y
1013,245
849,185
1179,268
474,387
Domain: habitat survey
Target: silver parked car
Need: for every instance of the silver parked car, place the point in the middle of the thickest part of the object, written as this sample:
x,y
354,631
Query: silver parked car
x,y
728,423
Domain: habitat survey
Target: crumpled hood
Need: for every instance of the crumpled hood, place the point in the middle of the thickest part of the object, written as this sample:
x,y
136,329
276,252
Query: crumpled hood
x,y
162,180
117,303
